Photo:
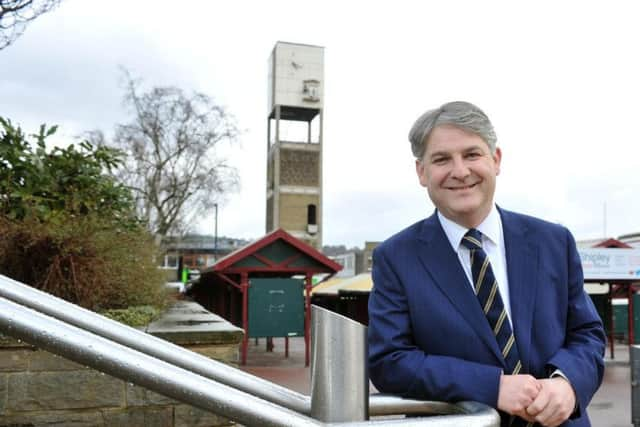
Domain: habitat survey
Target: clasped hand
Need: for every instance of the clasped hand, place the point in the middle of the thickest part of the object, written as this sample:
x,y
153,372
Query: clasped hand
x,y
549,402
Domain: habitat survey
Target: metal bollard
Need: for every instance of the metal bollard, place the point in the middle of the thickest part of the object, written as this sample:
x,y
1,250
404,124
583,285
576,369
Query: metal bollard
x,y
339,380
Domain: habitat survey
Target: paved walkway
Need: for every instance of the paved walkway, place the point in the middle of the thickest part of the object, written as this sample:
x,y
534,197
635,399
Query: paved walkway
x,y
610,407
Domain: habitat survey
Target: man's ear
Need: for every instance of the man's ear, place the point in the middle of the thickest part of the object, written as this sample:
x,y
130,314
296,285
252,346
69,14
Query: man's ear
x,y
497,158
421,172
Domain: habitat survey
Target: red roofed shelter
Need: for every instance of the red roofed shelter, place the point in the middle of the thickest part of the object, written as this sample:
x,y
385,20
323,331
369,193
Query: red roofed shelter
x,y
618,288
265,287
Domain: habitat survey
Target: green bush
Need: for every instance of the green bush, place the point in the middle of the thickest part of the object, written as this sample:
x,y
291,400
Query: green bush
x,y
68,228
140,315
74,180
83,260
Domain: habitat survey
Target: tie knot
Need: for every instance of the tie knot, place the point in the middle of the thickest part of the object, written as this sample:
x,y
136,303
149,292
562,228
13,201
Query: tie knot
x,y
473,239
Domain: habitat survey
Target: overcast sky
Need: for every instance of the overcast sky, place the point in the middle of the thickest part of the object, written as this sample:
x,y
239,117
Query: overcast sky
x,y
559,79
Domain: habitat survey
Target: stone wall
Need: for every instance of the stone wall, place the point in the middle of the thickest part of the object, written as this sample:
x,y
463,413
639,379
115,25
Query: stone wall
x,y
38,388
293,210
299,167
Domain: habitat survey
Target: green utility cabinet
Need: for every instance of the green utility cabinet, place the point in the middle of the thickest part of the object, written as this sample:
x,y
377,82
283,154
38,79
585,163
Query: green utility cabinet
x,y
276,307
621,319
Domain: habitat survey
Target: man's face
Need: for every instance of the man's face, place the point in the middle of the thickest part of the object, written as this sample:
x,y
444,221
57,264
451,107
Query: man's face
x,y
459,173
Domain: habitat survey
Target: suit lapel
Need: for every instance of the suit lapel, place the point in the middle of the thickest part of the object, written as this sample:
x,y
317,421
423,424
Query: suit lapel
x,y
442,263
522,270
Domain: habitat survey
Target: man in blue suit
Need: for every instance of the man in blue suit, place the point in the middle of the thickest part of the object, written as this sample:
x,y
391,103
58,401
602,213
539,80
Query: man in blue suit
x,y
479,303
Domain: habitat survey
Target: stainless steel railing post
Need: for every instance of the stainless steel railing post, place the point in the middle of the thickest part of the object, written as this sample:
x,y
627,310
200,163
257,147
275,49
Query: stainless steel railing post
x,y
339,380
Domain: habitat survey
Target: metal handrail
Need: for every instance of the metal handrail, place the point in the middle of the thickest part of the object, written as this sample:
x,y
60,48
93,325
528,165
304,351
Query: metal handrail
x,y
135,367
132,356
153,346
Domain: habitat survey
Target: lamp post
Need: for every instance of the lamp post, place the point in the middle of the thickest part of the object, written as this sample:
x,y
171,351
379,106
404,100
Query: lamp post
x,y
215,235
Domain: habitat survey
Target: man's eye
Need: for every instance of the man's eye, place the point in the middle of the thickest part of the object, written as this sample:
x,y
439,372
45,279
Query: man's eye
x,y
439,160
473,155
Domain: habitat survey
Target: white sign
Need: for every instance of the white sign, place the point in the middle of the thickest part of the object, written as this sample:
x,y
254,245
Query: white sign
x,y
610,263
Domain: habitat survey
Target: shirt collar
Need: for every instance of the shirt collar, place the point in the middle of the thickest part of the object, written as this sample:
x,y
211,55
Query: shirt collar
x,y
490,227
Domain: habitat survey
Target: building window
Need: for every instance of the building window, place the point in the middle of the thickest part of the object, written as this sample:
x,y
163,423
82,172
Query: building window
x,y
311,215
170,261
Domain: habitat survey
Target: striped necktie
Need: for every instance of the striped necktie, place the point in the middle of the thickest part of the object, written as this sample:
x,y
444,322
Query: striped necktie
x,y
486,288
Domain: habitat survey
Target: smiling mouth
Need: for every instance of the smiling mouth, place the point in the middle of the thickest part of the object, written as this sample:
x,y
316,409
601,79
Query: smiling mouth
x,y
464,187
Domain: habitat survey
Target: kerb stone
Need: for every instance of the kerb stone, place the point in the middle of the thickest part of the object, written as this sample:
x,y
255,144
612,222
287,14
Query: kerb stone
x,y
187,323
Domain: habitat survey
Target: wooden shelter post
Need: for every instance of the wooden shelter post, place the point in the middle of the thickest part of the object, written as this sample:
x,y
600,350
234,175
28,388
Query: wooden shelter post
x,y
308,284
244,284
611,330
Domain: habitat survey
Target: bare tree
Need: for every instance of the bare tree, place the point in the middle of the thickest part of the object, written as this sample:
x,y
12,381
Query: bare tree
x,y
15,14
173,163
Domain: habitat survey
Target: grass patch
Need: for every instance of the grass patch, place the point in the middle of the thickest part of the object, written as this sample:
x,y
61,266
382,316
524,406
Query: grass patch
x,y
140,315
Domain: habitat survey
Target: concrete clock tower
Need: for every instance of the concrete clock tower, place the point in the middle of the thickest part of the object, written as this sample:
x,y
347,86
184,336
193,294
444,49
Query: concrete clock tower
x,y
294,141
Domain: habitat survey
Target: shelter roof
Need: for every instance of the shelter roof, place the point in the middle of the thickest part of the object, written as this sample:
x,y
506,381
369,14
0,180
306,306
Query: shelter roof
x,y
612,243
326,285
277,252
360,283
601,242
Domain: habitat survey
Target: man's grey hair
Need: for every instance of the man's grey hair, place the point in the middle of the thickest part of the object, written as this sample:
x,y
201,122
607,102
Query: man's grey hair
x,y
460,114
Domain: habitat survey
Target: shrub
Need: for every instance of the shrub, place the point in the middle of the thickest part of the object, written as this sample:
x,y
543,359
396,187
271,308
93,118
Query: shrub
x,y
83,261
68,228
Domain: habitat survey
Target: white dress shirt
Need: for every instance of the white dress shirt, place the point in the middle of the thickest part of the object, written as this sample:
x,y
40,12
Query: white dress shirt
x,y
493,245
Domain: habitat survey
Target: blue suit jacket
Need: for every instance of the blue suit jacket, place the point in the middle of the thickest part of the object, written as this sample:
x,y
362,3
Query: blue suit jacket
x,y
429,339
